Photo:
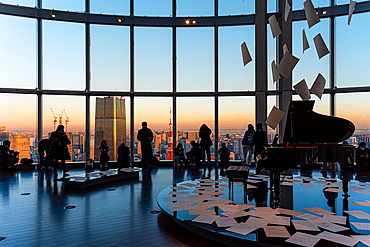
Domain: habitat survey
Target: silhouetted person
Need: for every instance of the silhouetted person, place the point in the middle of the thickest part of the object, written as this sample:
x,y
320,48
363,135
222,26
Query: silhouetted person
x,y
43,150
195,154
259,139
224,153
363,157
104,155
145,136
247,143
179,155
8,158
123,156
59,150
205,145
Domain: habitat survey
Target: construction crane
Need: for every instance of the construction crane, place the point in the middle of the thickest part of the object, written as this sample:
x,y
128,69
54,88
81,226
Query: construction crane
x,y
67,118
61,118
54,117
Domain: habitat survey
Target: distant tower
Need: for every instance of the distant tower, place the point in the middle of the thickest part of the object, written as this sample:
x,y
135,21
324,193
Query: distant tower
x,y
170,142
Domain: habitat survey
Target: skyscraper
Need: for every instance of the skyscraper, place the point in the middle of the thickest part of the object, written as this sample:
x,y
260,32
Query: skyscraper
x,y
110,124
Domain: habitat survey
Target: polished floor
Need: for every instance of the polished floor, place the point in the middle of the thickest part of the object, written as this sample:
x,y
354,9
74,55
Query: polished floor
x,y
34,210
110,215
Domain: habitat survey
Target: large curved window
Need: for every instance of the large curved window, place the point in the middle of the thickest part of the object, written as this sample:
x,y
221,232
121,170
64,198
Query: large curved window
x,y
195,59
64,55
233,76
153,59
109,58
17,52
352,51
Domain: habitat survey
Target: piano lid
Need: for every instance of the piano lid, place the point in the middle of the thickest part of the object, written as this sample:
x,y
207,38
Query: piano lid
x,y
306,126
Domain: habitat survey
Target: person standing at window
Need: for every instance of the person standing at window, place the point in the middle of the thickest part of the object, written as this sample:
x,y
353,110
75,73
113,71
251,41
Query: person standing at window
x,y
104,155
145,136
205,145
247,143
59,150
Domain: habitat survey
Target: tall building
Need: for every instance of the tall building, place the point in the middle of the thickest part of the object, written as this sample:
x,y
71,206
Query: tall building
x,y
191,136
158,142
21,144
170,143
110,124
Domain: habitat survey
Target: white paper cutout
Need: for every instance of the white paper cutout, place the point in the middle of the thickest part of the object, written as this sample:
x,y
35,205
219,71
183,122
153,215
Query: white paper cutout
x,y
274,25
312,17
302,89
321,47
306,45
245,53
287,11
287,64
318,86
274,117
275,72
352,5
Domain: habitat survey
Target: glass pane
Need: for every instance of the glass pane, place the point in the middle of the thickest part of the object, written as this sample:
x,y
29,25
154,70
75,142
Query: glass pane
x,y
271,56
118,7
298,4
338,2
28,3
109,121
21,134
157,113
351,107
233,75
110,58
195,59
352,51
70,112
235,113
191,114
195,7
236,7
153,60
153,7
70,5
271,6
64,55
321,106
309,65
18,52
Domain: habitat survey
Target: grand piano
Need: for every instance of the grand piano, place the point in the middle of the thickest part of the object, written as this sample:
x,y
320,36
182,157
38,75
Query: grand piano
x,y
310,137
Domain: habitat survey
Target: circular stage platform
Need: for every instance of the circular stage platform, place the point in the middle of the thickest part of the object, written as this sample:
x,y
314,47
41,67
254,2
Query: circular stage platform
x,y
311,210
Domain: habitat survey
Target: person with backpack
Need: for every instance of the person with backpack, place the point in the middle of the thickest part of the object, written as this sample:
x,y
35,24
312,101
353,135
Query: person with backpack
x,y
224,153
247,143
123,159
59,150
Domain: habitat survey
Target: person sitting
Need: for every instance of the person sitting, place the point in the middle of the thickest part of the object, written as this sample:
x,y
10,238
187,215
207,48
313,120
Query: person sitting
x,y
43,149
195,154
363,158
8,158
179,155
123,156
224,153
